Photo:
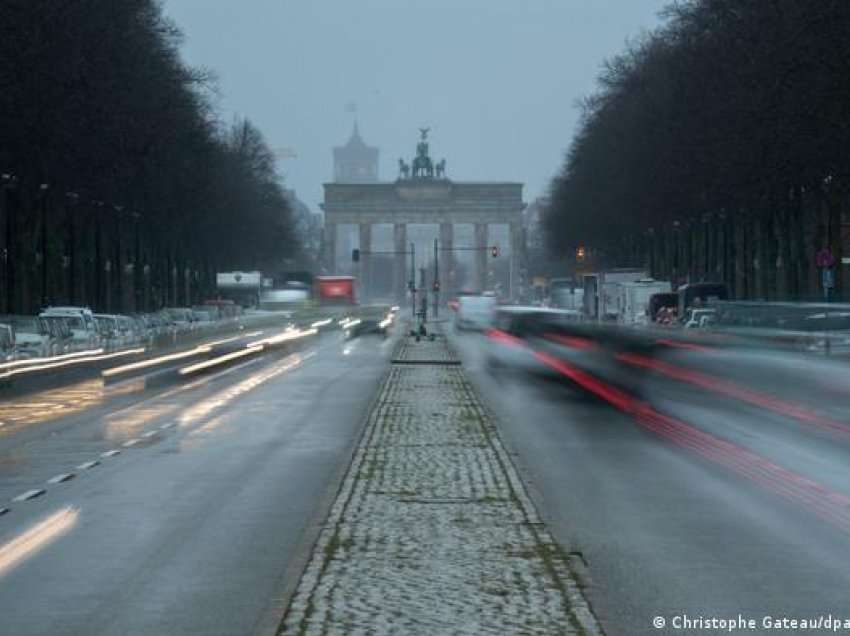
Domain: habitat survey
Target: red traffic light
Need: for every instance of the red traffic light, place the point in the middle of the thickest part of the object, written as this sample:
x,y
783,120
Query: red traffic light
x,y
494,251
580,254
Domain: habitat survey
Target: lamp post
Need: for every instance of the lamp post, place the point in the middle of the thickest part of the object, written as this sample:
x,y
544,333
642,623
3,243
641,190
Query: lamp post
x,y
43,189
118,270
98,253
10,196
71,199
137,260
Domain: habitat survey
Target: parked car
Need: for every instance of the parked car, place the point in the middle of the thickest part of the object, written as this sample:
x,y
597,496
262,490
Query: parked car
x,y
32,336
82,323
7,342
107,330
62,338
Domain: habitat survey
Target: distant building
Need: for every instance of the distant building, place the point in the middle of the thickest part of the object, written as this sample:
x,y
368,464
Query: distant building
x,y
355,162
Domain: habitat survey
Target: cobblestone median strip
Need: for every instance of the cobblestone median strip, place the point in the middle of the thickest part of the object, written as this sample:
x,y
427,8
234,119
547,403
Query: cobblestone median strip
x,y
432,531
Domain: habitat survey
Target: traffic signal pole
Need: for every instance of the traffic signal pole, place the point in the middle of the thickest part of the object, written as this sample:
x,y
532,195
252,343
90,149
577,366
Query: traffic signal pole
x,y
436,278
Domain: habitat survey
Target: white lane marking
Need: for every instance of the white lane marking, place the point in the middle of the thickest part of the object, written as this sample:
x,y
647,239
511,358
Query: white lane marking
x,y
41,534
167,425
111,453
60,478
30,494
87,465
149,434
130,442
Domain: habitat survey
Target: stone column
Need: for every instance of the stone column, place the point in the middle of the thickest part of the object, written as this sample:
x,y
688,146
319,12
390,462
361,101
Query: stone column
x,y
402,261
329,246
481,255
447,261
517,241
365,259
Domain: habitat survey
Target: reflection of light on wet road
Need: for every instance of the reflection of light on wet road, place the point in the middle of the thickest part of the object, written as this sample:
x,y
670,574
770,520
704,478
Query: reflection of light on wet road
x,y
50,404
40,535
128,422
203,408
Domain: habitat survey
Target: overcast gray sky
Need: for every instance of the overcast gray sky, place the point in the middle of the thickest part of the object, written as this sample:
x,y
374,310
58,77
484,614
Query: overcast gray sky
x,y
496,80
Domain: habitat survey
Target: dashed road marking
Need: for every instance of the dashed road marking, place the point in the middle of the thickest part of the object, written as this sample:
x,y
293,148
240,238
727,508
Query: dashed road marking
x,y
111,453
149,434
30,494
167,425
87,465
60,478
130,442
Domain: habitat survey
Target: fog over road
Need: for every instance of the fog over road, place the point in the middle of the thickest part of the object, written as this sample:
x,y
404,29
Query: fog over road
x,y
192,526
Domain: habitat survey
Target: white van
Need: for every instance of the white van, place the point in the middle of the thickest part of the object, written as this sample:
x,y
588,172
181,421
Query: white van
x,y
83,325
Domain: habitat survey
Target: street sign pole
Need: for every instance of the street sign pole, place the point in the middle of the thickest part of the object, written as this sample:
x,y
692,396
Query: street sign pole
x,y
413,279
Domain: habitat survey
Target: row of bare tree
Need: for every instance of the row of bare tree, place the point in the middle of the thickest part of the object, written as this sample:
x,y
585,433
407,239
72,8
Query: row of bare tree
x,y
121,190
718,148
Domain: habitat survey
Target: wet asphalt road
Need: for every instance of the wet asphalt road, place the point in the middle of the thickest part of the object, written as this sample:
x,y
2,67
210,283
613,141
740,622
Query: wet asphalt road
x,y
732,509
197,525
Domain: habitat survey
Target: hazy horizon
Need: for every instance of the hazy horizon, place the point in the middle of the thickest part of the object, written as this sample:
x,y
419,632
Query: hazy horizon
x,y
496,83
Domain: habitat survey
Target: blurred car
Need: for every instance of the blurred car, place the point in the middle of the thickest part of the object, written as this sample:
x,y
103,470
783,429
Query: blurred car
x,y
516,332
474,312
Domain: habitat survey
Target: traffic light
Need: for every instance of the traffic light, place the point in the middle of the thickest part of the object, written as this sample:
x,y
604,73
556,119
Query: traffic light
x,y
355,255
436,285
580,254
494,251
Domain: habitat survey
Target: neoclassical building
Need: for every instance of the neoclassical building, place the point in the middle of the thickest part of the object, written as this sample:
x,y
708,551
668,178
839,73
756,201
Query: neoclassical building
x,y
422,194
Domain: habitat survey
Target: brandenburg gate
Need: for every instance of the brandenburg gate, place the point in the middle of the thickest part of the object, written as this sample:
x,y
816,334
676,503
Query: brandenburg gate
x,y
423,194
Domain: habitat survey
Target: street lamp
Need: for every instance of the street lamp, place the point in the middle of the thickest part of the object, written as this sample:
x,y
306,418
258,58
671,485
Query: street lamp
x,y
43,189
10,196
71,200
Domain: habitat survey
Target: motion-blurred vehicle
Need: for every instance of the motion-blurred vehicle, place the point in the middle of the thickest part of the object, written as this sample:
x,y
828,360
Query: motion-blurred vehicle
x,y
292,294
515,330
335,290
474,312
